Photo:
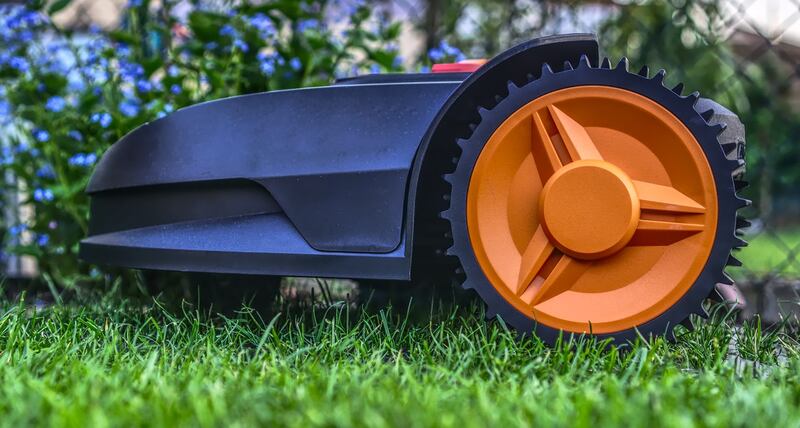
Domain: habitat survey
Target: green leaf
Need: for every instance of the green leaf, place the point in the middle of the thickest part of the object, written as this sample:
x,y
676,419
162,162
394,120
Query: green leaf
x,y
125,37
57,5
206,25
392,31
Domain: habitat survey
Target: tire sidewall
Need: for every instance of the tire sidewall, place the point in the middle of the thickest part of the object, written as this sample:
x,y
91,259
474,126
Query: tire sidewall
x,y
680,107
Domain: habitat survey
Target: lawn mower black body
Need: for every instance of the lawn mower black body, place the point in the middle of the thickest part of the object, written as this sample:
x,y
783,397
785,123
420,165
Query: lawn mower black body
x,y
309,182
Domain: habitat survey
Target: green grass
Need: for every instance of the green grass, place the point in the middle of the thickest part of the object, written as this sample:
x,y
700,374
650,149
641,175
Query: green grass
x,y
103,365
769,253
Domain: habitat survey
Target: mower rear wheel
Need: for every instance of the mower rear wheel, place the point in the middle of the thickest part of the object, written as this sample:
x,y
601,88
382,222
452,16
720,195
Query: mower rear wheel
x,y
595,201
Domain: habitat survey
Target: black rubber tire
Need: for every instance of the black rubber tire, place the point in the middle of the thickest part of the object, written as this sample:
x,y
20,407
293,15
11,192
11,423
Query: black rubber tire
x,y
683,107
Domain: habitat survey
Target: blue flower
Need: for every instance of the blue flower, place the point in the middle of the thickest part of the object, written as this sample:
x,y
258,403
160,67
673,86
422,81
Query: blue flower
x,y
41,135
227,31
19,63
296,64
134,3
7,155
354,6
263,24
45,171
55,104
130,71
129,108
445,50
241,45
144,85
77,160
25,36
41,195
267,67
123,50
266,62
75,135
307,24
42,240
175,89
75,84
26,18
167,109
104,119
450,50
83,160
375,69
210,46
17,229
5,108
173,71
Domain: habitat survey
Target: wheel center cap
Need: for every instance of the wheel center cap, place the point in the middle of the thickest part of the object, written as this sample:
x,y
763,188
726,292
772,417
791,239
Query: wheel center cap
x,y
589,209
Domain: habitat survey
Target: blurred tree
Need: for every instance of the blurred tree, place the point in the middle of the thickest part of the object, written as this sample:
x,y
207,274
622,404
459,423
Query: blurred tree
x,y
482,28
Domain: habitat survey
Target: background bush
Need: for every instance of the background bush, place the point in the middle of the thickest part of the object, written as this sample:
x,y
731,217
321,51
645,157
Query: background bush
x,y
71,96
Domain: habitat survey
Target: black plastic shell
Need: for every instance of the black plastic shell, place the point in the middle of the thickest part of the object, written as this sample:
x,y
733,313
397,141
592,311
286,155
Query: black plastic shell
x,y
310,182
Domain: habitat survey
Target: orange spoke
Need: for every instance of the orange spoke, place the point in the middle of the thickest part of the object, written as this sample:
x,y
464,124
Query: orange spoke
x,y
669,226
661,232
563,276
577,141
664,198
543,149
533,259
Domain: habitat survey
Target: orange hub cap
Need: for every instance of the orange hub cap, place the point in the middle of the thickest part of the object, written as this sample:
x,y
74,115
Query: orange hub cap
x,y
589,209
592,209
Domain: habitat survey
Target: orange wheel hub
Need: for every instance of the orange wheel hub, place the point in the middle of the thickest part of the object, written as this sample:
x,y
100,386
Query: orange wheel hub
x,y
589,209
592,208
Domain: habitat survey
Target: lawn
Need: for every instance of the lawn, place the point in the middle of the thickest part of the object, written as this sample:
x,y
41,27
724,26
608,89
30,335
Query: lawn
x,y
107,364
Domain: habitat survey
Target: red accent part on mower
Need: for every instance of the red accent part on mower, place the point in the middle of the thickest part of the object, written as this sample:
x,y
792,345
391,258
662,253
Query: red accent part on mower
x,y
465,66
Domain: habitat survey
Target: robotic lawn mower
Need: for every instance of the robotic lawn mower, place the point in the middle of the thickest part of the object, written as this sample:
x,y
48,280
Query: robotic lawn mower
x,y
572,195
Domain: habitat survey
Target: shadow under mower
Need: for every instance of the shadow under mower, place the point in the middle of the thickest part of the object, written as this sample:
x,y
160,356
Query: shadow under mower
x,y
570,194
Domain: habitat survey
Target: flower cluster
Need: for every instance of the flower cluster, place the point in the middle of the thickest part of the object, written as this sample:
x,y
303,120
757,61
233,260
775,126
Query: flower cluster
x,y
66,97
445,52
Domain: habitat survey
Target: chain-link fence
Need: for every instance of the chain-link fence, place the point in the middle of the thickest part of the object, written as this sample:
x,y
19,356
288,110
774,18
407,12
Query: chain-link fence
x,y
769,45
759,78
